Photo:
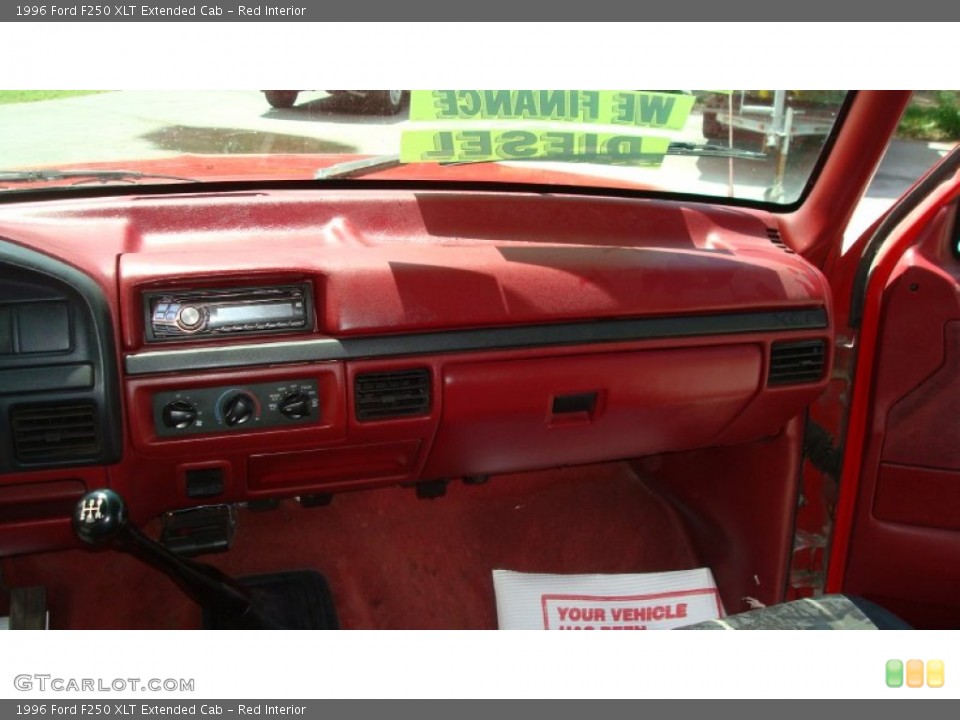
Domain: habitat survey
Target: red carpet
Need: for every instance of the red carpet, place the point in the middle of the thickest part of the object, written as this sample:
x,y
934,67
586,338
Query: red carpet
x,y
393,561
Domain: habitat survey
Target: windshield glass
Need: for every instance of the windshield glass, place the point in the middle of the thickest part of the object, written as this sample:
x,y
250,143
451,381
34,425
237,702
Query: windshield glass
x,y
757,145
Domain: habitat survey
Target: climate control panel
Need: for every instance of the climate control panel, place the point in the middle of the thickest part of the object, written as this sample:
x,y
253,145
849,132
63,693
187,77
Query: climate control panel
x,y
230,408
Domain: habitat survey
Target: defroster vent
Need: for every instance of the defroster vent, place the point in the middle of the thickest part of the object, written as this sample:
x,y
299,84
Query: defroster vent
x,y
54,434
401,393
797,362
774,236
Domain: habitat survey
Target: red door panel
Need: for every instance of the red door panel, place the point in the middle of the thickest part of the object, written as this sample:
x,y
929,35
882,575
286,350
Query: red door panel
x,y
897,538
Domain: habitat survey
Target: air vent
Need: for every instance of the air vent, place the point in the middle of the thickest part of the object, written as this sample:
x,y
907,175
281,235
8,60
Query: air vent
x,y
54,434
392,394
774,236
795,363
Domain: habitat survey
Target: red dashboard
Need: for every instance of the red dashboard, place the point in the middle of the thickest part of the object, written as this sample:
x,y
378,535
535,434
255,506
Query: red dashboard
x,y
437,335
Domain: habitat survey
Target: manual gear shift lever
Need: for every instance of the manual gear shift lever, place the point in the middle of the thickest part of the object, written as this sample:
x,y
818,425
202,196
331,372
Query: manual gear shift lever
x,y
101,518
298,600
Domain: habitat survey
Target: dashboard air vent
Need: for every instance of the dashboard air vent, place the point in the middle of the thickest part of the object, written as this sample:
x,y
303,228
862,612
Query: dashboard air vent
x,y
795,363
396,394
774,236
53,434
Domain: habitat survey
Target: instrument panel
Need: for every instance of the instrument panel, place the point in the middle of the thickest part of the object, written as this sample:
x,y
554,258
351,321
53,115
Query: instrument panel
x,y
360,353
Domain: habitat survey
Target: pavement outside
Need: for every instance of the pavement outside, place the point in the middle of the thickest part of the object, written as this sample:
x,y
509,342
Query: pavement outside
x,y
903,164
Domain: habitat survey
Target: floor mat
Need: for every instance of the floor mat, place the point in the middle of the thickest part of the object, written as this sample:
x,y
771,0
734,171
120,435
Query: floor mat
x,y
292,600
393,561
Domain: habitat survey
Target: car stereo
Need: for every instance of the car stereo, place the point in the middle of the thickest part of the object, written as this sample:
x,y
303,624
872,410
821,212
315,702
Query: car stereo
x,y
208,313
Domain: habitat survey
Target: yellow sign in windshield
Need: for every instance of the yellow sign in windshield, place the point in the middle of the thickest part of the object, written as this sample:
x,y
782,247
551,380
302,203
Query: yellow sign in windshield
x,y
570,125
483,145
634,108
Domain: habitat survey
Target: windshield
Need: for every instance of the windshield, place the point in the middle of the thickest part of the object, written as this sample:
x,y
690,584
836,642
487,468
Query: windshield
x,y
753,145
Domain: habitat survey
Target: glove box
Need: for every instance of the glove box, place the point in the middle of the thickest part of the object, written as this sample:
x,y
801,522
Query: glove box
x,y
523,414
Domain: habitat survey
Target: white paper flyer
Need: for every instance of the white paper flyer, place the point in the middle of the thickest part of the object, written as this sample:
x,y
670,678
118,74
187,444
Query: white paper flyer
x,y
650,601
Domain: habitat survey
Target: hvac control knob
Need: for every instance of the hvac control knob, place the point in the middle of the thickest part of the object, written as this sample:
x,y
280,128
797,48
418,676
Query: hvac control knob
x,y
295,405
238,409
179,414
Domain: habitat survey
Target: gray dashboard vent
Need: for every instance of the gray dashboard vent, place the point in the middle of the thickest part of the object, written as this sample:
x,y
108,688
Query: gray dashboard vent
x,y
400,393
798,362
53,434
774,236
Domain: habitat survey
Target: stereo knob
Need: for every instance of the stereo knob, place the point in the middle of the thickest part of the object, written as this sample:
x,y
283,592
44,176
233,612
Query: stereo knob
x,y
295,405
179,414
238,409
190,316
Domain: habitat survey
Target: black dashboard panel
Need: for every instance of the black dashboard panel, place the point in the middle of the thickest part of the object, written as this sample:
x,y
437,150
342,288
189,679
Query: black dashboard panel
x,y
239,408
59,381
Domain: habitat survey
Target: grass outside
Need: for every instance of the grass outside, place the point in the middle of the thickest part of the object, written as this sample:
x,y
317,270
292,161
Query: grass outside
x,y
932,115
8,97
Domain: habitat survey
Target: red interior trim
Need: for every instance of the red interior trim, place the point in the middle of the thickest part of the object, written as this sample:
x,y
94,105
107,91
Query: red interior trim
x,y
862,424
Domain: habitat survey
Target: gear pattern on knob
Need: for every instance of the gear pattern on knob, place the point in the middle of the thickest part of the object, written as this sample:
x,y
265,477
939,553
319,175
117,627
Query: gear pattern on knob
x,y
99,516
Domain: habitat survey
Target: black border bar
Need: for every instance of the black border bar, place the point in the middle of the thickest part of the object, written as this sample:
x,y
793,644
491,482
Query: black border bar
x,y
482,339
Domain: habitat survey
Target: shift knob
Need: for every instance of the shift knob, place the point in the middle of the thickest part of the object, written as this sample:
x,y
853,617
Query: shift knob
x,y
100,516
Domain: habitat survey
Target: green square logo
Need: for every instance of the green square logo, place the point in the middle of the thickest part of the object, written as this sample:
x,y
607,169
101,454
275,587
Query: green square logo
x,y
894,673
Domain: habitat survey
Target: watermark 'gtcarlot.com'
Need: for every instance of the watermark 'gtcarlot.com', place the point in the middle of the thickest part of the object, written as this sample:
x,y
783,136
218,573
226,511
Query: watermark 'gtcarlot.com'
x,y
44,682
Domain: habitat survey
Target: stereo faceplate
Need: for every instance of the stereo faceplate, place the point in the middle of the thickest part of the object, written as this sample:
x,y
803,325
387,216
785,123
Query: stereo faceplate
x,y
211,313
